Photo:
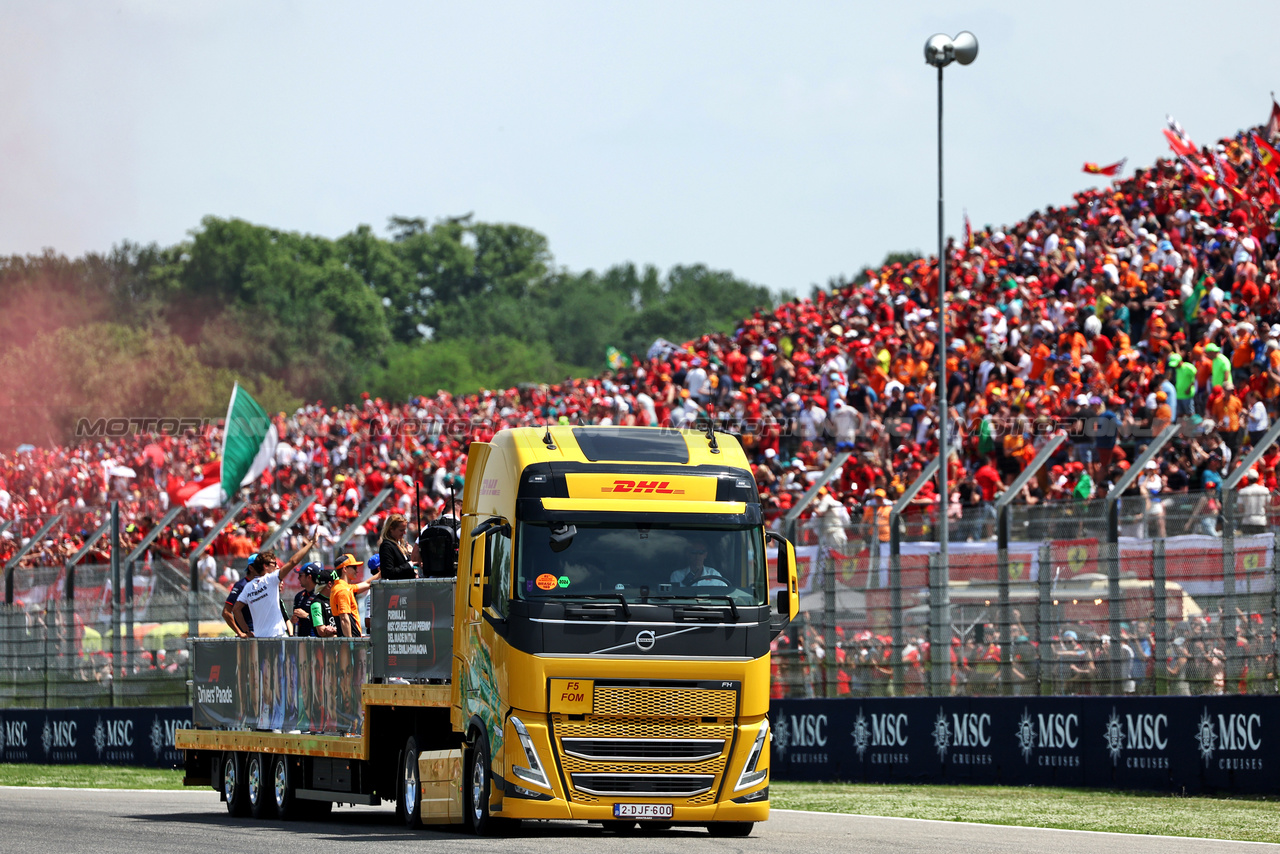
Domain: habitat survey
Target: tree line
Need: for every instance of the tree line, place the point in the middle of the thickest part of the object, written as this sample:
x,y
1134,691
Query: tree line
x,y
455,304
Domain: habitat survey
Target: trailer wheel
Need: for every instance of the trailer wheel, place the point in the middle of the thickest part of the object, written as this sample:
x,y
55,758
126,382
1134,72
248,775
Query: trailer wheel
x,y
233,784
408,787
284,789
731,828
258,786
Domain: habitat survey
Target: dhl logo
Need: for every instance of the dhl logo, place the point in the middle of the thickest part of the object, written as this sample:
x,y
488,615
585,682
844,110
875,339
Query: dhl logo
x,y
660,487
636,486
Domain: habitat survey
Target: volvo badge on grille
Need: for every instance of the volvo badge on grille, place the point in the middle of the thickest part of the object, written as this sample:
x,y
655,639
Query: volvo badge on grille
x,y
645,640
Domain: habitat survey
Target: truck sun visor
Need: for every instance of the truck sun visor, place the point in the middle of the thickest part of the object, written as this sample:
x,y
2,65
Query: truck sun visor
x,y
631,445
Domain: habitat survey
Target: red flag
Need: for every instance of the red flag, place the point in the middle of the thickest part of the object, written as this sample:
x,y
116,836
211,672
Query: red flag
x,y
1269,158
1273,123
1113,169
968,232
1180,144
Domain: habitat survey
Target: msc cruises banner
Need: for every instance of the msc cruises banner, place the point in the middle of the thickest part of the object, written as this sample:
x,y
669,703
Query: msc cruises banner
x,y
141,736
1196,744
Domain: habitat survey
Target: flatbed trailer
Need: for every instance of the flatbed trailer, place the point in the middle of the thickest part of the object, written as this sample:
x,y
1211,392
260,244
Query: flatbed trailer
x,y
602,654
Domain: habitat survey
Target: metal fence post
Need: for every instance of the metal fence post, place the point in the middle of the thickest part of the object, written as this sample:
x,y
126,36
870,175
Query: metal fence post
x,y
1044,620
1160,614
895,567
1275,615
939,629
115,598
829,623
1002,556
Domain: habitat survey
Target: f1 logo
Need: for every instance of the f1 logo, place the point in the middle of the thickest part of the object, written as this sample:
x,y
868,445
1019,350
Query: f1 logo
x,y
214,671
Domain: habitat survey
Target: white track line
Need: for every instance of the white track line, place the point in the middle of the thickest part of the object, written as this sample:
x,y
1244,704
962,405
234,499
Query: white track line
x,y
1026,827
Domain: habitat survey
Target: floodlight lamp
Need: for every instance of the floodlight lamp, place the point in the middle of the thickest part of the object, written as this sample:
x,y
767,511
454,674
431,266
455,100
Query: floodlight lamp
x,y
965,47
939,50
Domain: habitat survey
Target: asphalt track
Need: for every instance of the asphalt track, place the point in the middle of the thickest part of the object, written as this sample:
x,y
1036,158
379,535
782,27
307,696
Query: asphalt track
x,y
52,821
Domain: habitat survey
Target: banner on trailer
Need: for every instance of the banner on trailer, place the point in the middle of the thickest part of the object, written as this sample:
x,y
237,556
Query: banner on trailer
x,y
282,684
141,736
1196,744
415,638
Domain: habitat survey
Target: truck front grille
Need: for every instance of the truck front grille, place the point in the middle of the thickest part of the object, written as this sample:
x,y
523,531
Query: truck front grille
x,y
640,702
643,749
597,753
644,785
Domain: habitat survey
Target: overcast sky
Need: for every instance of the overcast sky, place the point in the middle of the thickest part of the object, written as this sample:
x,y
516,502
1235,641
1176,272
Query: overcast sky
x,y
787,142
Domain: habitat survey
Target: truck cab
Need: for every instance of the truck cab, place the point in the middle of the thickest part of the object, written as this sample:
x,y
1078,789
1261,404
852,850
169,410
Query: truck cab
x,y
612,629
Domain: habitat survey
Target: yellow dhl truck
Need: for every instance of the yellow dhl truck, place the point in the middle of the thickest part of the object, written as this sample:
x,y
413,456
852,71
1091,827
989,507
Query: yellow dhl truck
x,y
602,654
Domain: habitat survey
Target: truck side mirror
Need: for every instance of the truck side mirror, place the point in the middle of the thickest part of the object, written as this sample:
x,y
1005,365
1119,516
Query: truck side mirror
x,y
786,557
789,597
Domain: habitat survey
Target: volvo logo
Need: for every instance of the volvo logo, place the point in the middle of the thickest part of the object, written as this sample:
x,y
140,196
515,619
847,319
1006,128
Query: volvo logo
x,y
645,640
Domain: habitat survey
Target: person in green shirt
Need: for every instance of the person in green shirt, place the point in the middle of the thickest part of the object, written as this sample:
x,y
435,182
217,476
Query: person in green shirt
x,y
1221,366
1184,381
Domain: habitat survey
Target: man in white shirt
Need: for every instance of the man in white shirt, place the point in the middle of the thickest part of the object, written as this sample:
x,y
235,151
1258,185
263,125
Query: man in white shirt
x,y
697,573
261,594
1255,501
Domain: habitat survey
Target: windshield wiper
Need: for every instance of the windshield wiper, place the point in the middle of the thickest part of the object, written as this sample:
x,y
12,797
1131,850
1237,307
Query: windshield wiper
x,y
697,600
626,610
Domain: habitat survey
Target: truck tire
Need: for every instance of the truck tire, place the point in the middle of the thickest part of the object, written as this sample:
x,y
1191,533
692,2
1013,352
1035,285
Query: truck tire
x,y
479,784
731,828
408,787
233,784
257,786
284,789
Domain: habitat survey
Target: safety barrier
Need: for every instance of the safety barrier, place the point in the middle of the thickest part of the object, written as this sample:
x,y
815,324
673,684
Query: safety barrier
x,y
1175,744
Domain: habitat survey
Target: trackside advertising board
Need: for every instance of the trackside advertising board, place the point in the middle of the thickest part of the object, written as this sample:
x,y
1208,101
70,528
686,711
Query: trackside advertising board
x,y
141,736
1197,744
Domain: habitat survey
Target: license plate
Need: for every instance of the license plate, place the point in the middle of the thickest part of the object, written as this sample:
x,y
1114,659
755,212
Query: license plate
x,y
642,811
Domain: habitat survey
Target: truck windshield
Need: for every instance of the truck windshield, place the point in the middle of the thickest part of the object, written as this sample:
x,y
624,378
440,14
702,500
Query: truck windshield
x,y
643,562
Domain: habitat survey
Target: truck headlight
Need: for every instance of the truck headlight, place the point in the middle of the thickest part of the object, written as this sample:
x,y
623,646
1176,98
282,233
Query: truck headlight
x,y
750,776
533,772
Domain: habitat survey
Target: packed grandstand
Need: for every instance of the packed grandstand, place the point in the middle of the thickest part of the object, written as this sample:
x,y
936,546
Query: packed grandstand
x,y
1153,299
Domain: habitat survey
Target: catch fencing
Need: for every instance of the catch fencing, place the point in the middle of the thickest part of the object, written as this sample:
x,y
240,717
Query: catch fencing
x,y
1172,597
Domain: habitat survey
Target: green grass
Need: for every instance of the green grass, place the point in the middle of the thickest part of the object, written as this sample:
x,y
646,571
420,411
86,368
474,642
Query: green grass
x,y
89,776
1240,819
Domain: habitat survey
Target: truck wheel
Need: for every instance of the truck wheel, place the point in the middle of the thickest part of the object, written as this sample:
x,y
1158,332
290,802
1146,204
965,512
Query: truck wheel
x,y
731,828
479,785
233,784
283,789
408,787
258,787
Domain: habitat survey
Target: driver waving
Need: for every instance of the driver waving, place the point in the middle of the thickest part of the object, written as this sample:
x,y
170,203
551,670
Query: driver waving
x,y
697,573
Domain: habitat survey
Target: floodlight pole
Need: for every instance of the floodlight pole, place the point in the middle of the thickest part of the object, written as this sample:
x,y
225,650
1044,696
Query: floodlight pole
x,y
943,407
940,51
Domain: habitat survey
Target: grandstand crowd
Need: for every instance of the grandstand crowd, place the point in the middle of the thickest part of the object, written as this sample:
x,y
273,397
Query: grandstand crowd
x,y
1153,299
